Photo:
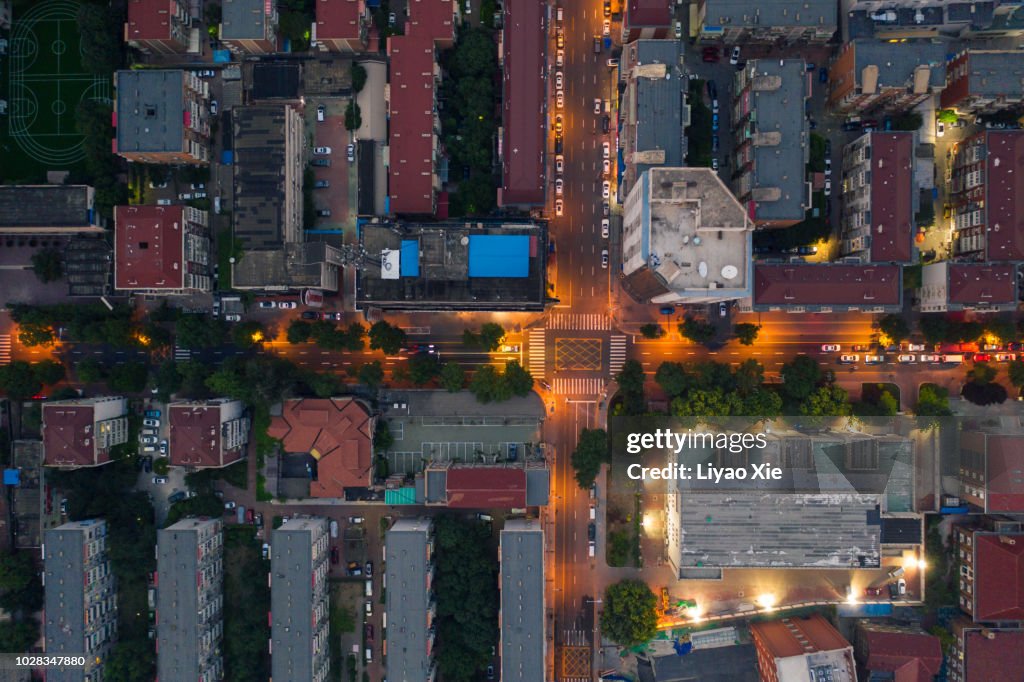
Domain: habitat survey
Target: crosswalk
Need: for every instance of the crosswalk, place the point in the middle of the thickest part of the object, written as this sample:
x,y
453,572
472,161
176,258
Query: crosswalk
x,y
577,386
617,353
582,322
182,354
5,349
535,349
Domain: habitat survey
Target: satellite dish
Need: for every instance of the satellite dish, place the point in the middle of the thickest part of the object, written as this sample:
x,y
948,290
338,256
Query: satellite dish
x,y
702,269
729,272
386,264
464,240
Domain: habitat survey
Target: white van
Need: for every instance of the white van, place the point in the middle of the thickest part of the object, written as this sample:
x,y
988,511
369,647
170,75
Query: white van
x,y
369,588
953,359
593,513
216,205
591,549
369,655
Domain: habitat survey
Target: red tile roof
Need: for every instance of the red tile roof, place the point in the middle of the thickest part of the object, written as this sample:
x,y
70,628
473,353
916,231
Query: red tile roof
x,y
913,657
816,633
981,283
338,19
1004,465
892,172
486,487
195,438
434,18
149,19
998,578
524,131
1005,193
999,658
69,436
826,284
149,247
648,13
337,432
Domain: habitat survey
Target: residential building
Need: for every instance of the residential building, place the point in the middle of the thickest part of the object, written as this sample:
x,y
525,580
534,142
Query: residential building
x,y
414,124
827,287
990,557
502,485
162,250
524,103
162,116
342,25
990,471
82,432
653,111
804,649
984,652
879,198
873,75
207,433
907,19
987,196
411,607
48,210
685,238
984,81
158,26
190,600
771,143
886,651
337,434
88,261
80,611
488,264
978,287
523,648
249,26
646,19
782,21
300,613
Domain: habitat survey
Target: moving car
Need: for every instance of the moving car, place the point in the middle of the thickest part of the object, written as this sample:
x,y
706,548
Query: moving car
x,y
830,348
606,28
558,124
558,207
1005,357
714,106
915,347
606,189
287,305
848,359
606,150
604,228
613,62
874,359
929,358
597,106
734,58
906,359
321,150
714,164
679,30
604,258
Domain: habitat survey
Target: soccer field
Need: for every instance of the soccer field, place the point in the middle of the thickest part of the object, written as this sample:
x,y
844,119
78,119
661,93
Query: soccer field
x,y
44,81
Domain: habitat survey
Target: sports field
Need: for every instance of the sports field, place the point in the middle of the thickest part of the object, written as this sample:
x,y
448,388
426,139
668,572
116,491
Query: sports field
x,y
43,80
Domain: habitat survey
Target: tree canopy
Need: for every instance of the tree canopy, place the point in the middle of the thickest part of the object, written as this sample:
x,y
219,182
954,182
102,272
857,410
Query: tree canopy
x,y
590,453
697,331
387,338
800,376
629,616
895,327
48,264
746,332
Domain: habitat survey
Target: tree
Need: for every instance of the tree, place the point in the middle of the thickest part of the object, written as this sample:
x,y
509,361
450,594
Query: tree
x,y
99,28
631,387
826,401
706,403
452,377
887,404
48,264
652,331
371,374
697,330
488,338
33,334
1016,372
749,376
910,120
590,453
382,437
168,380
800,376
934,327
932,401
19,381
982,373
197,331
48,372
968,332
247,334
353,117
130,659
518,380
1002,328
895,327
89,371
299,331
762,403
16,636
673,378
629,616
16,571
387,338
128,377
947,116
746,332
423,367
358,77
984,394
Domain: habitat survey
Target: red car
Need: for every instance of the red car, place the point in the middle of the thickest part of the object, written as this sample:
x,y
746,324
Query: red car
x,y
368,630
710,54
249,516
982,357
873,591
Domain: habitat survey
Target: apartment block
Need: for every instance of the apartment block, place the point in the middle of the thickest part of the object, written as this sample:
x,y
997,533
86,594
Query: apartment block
x,y
645,19
300,613
80,612
990,471
984,652
411,607
933,19
158,26
984,81
978,287
207,433
737,22
805,649
798,287
771,141
523,650
190,600
49,210
80,433
162,250
886,651
342,25
877,75
986,190
162,116
990,557
879,198
249,27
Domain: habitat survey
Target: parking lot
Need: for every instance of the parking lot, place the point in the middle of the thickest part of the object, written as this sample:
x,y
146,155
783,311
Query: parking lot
x,y
331,133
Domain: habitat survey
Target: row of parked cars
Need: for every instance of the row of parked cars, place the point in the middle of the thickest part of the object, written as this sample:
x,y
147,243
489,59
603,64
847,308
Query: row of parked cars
x,y
909,355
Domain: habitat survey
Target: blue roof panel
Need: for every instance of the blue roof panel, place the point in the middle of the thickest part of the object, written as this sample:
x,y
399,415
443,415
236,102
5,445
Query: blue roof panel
x,y
499,255
410,261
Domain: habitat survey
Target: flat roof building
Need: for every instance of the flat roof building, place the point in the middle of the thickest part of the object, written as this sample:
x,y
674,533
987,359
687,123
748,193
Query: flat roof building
x,y
207,433
685,238
899,20
162,250
82,432
807,649
874,74
780,21
979,287
48,210
984,81
80,612
523,650
190,600
827,287
409,550
249,26
162,116
771,144
158,26
342,25
300,615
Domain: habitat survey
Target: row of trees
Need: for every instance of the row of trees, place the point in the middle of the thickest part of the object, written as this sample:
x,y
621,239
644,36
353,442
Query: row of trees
x,y
21,380
85,323
940,328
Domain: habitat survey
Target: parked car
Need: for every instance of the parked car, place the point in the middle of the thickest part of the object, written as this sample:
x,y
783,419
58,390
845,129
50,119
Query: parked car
x,y
606,150
356,519
321,184
559,80
368,569
604,258
613,62
154,414
163,202
335,555
604,228
323,212
287,305
159,480
606,210
350,152
723,309
828,188
334,529
151,422
915,347
828,167
559,58
606,189
734,58
559,163
233,317
606,166
266,551
559,207
230,505
559,185
901,586
940,129
149,440
591,531
176,497
823,75
321,113
213,107
321,150
321,163
982,357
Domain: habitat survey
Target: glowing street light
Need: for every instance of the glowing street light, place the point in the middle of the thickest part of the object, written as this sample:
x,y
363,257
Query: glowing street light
x,y
767,601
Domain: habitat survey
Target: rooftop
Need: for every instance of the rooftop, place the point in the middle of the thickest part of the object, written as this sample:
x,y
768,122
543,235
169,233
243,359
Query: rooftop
x,y
196,438
150,110
797,636
244,19
657,118
998,455
260,151
524,126
909,656
69,435
411,121
733,13
276,80
995,73
826,284
486,487
1005,195
149,246
982,283
879,64
522,601
299,551
337,19
408,599
648,13
993,655
892,186
999,577
46,206
719,664
291,266
149,19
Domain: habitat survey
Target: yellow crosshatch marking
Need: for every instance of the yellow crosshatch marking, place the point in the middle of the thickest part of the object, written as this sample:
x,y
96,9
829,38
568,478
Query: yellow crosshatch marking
x,y
579,354
575,662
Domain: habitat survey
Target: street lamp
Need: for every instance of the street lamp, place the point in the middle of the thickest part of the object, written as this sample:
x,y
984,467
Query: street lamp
x,y
767,601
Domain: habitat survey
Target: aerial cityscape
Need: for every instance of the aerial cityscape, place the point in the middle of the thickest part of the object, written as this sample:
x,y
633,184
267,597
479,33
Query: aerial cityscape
x,y
520,340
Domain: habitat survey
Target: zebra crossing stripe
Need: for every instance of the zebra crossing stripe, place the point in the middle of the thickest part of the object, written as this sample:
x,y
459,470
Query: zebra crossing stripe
x,y
617,353
5,349
182,354
536,352
579,386
580,322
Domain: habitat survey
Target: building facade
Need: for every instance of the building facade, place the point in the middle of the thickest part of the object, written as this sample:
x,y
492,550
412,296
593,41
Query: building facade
x,y
989,471
80,615
190,600
249,26
162,116
990,554
984,652
300,614
977,287
984,81
80,433
780,22
162,250
802,650
158,26
411,606
207,433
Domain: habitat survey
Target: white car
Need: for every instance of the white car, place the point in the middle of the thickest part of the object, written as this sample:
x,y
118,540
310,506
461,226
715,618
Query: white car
x,y
230,505
559,185
350,152
830,348
606,166
149,440
560,99
322,150
558,207
915,347
848,359
560,58
163,202
734,58
604,258
287,305
1005,357
714,106
159,480
559,163
940,129
679,30
606,150
233,318
714,164
828,167
874,359
559,82
906,359
185,196
828,188
929,358
606,28
606,189
604,228
151,422
597,106
213,107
